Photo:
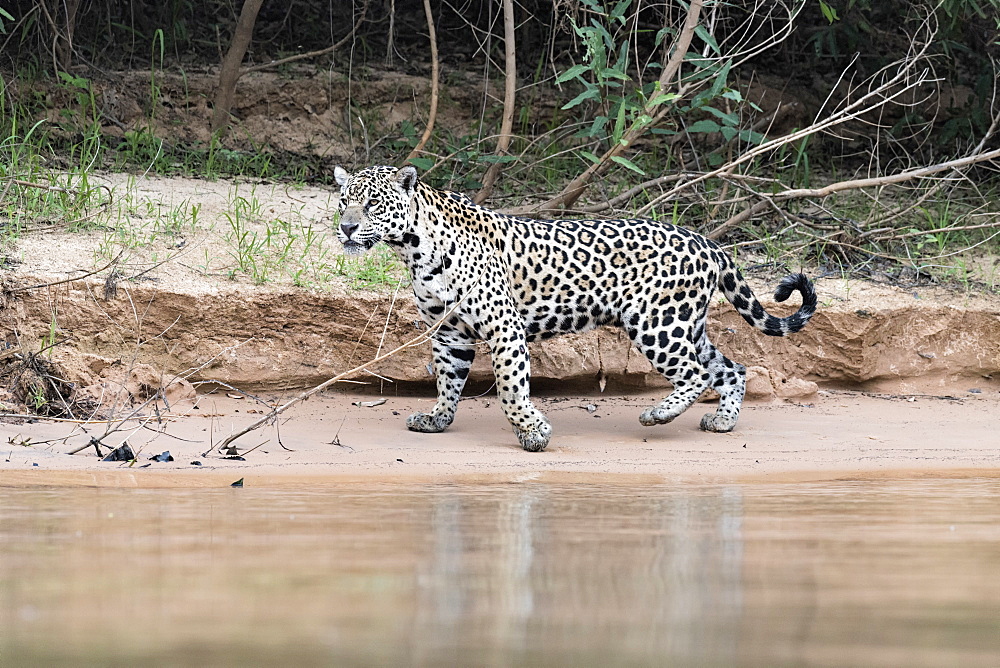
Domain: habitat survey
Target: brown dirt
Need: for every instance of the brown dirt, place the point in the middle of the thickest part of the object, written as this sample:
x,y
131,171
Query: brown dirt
x,y
321,114
183,320
307,112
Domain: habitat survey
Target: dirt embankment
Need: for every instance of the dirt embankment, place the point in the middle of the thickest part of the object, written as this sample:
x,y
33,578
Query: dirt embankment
x,y
254,338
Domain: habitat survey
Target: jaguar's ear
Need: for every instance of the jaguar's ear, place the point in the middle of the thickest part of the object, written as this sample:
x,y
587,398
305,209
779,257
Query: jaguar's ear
x,y
407,179
341,175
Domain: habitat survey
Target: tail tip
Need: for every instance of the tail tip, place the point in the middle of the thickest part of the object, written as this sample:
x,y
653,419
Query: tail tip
x,y
795,283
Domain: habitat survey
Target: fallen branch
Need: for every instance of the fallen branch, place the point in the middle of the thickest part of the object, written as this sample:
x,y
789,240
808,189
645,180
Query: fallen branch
x,y
510,90
853,184
432,114
943,230
67,280
275,412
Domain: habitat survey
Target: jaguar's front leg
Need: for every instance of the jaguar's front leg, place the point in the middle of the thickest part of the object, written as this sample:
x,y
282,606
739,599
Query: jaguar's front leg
x,y
454,350
512,368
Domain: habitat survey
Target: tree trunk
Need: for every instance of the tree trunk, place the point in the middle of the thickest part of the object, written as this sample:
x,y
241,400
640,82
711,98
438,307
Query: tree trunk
x,y
65,43
230,71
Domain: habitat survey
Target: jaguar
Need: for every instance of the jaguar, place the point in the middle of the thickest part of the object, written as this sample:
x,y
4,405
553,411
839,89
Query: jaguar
x,y
484,276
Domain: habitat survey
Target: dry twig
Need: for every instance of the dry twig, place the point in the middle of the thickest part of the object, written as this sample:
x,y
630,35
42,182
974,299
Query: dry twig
x,y
423,337
67,280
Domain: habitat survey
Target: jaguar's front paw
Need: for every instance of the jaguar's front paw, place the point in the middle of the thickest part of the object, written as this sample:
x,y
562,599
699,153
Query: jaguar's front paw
x,y
655,415
534,439
429,422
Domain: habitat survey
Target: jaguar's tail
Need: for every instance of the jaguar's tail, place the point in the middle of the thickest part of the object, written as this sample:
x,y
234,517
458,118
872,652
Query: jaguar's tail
x,y
735,287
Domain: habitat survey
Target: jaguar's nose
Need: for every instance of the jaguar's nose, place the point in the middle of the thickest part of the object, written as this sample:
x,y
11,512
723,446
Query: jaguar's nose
x,y
348,229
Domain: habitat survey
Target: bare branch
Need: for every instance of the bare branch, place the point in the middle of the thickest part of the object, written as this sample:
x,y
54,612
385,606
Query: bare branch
x,y
854,184
432,114
888,179
510,89
423,337
889,90
310,54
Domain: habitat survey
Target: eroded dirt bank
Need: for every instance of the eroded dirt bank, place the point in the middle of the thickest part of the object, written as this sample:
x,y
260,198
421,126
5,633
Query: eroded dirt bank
x,y
877,337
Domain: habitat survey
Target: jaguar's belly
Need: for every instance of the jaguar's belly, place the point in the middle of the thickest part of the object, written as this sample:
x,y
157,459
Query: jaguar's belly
x,y
544,321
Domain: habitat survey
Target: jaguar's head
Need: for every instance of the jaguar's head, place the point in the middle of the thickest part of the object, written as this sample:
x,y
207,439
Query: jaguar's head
x,y
374,205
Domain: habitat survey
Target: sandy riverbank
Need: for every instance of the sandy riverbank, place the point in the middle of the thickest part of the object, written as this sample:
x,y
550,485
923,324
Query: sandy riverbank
x,y
330,440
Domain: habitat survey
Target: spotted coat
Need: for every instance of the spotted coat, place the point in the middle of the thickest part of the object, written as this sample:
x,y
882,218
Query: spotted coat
x,y
508,280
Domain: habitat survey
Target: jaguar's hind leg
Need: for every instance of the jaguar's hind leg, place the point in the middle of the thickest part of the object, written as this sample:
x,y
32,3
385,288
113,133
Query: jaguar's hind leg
x,y
677,359
729,379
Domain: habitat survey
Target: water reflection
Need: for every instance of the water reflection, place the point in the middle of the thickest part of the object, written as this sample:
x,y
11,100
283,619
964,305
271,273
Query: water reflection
x,y
854,573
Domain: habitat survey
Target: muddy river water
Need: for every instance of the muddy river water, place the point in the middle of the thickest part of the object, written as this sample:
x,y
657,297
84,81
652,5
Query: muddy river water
x,y
875,573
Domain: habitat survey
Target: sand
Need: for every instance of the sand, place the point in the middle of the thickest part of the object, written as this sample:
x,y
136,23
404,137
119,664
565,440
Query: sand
x,y
331,440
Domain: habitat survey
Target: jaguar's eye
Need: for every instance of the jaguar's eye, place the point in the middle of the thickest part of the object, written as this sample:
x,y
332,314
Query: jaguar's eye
x,y
371,203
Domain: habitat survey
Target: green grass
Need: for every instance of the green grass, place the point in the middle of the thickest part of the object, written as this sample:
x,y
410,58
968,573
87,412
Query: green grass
x,y
377,269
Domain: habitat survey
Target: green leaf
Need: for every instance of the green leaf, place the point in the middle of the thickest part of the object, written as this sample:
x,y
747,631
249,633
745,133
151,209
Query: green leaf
x,y
422,164
619,10
702,32
720,79
705,125
728,119
572,73
829,13
597,127
664,98
615,73
728,132
588,94
733,95
751,137
616,134
625,162
4,15
590,156
621,64
609,41
642,121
